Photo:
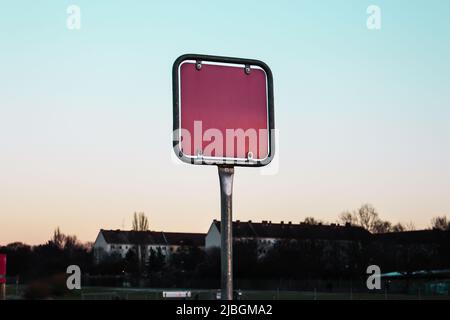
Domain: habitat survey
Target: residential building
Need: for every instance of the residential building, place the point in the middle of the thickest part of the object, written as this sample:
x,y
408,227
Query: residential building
x,y
266,233
121,242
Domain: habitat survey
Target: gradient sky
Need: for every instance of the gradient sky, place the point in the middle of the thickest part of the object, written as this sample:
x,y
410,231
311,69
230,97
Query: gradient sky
x,y
86,116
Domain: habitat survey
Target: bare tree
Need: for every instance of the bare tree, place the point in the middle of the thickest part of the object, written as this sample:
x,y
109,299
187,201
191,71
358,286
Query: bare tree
x,y
367,217
140,222
410,226
380,226
348,217
311,221
64,241
58,238
440,223
398,228
71,242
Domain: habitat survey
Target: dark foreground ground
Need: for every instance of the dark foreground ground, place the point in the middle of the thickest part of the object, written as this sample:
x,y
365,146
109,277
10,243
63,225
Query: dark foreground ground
x,y
107,293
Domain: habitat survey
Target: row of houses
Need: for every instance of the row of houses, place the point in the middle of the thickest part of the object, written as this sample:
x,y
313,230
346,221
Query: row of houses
x,y
265,233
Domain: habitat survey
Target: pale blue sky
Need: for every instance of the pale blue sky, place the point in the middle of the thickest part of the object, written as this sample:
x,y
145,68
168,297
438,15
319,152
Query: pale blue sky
x,y
86,118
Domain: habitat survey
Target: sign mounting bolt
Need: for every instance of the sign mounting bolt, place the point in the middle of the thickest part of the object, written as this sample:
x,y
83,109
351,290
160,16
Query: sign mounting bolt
x,y
247,69
198,65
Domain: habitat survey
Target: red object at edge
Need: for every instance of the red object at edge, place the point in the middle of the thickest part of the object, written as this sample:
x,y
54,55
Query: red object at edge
x,y
2,268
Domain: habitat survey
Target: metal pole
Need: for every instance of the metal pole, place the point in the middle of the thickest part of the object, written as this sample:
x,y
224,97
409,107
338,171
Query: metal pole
x,y
226,191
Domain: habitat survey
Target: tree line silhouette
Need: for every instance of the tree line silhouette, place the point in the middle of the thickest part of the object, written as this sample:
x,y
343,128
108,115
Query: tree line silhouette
x,y
287,260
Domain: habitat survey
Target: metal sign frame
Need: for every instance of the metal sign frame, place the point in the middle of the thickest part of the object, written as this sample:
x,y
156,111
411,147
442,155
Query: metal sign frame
x,y
225,166
244,63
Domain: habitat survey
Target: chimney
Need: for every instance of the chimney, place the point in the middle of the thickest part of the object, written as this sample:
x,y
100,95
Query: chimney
x,y
282,222
290,222
249,221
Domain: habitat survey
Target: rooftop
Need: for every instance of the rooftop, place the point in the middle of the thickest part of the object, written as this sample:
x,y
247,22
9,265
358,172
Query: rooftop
x,y
282,230
417,236
153,237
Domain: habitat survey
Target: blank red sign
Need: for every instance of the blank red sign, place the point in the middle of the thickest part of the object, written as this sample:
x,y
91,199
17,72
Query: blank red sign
x,y
223,111
2,268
